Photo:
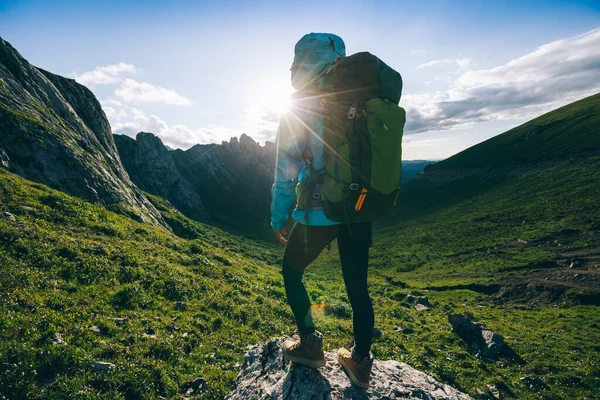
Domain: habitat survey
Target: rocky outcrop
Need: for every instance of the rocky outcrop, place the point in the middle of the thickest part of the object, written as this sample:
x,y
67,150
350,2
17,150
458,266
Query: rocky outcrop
x,y
53,131
266,375
151,167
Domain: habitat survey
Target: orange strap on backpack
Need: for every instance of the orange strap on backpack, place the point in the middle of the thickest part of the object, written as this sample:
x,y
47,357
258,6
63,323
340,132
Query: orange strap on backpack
x,y
361,199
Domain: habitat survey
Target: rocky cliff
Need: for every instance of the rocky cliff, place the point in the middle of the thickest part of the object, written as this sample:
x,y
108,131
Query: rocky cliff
x,y
151,167
53,131
266,375
230,183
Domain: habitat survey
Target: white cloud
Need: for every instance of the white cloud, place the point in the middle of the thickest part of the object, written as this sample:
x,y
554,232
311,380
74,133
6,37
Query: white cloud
x,y
105,75
462,63
553,75
132,90
129,121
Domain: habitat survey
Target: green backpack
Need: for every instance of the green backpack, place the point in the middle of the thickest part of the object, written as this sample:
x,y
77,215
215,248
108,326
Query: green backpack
x,y
363,138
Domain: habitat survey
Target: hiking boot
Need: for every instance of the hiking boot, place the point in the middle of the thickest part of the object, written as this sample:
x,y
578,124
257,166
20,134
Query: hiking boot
x,y
357,367
308,350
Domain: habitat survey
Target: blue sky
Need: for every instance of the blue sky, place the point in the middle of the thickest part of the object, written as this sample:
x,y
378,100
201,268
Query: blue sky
x,y
198,72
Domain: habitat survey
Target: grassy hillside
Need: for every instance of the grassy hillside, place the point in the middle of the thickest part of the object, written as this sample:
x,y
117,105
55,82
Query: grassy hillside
x,y
520,254
70,269
553,140
556,135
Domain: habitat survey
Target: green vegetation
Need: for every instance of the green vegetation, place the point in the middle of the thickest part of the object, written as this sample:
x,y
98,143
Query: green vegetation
x,y
514,245
72,269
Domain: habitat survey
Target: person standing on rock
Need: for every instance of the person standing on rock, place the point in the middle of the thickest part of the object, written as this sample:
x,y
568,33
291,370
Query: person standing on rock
x,y
300,164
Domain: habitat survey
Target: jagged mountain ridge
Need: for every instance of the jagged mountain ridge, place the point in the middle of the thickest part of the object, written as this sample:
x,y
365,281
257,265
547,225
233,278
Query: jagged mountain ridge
x,y
228,183
55,132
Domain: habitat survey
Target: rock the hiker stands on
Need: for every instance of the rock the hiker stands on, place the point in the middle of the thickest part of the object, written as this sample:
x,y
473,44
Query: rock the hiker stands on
x,y
266,375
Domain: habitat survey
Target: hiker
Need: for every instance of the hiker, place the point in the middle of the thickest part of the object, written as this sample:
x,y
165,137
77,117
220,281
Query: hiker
x,y
339,155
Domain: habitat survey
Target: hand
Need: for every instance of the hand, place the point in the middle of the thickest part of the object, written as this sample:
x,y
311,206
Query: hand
x,y
279,235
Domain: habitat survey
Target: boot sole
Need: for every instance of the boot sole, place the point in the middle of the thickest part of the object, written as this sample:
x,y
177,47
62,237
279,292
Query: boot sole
x,y
351,375
303,361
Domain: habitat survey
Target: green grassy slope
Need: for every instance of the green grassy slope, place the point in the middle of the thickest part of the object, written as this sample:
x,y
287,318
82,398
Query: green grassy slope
x,y
501,252
569,133
70,268
556,135
502,256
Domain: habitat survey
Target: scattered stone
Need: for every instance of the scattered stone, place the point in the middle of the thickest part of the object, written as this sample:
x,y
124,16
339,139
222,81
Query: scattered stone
x,y
4,160
8,216
533,382
493,343
7,367
101,366
421,307
495,392
180,305
172,327
423,300
196,386
49,382
27,208
95,329
58,340
522,241
485,343
266,375
120,321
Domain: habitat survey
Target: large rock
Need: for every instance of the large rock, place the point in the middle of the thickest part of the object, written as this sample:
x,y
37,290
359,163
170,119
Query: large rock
x,y
266,375
55,132
150,166
486,343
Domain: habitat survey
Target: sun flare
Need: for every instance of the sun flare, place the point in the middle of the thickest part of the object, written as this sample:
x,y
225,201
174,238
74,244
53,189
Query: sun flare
x,y
273,97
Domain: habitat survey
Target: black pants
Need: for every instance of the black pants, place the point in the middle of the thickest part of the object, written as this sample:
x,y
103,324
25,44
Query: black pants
x,y
354,241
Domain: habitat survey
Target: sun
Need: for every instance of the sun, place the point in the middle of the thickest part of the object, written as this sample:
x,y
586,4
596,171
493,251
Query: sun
x,y
273,97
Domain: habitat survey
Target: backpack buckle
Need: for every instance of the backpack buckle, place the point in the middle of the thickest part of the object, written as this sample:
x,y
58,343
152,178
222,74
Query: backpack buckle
x,y
351,112
316,196
354,186
323,102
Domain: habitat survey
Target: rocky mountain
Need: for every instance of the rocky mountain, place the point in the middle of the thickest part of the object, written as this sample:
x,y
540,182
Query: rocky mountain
x,y
228,183
151,167
55,132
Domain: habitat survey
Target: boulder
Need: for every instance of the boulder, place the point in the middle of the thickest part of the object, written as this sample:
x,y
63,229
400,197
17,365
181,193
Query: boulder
x,y
266,375
484,342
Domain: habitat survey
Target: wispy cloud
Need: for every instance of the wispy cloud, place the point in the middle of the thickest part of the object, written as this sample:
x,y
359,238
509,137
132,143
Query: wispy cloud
x,y
134,91
462,63
553,75
105,75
